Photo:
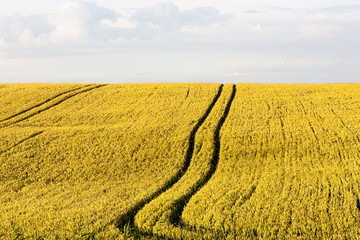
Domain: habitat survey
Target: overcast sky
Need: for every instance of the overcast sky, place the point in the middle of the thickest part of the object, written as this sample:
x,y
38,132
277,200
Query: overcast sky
x,y
279,41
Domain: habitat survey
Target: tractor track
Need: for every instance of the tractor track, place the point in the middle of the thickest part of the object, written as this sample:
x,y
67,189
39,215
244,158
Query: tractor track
x,y
40,110
128,218
180,204
21,141
42,103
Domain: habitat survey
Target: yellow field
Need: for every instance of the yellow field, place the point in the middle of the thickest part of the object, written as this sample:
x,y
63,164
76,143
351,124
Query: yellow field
x,y
18,98
95,156
289,165
160,214
180,161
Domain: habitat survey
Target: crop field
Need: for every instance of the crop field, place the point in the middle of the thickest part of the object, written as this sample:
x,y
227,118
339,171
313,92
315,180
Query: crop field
x,y
179,161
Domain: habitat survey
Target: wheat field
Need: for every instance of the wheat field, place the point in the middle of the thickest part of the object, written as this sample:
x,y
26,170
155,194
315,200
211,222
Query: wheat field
x,y
179,161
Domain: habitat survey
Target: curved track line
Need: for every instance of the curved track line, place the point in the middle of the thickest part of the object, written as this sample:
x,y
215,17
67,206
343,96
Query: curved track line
x,y
42,103
180,204
343,123
128,218
21,141
52,105
175,220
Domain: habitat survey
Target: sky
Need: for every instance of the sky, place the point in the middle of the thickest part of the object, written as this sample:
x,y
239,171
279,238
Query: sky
x,y
228,41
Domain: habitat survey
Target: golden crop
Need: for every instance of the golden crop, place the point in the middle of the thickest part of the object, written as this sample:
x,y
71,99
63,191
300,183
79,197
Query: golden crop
x,y
18,98
191,161
94,156
289,165
158,215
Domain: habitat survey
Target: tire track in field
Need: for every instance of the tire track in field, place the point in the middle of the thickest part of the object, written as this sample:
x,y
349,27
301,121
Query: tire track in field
x,y
281,118
306,117
176,217
21,141
187,93
128,219
318,117
180,204
358,139
42,103
57,102
296,98
344,124
340,157
173,212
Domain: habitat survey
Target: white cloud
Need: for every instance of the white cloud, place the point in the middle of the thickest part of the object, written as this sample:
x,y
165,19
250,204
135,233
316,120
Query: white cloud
x,y
185,38
26,36
257,28
3,46
320,26
342,10
234,74
78,23
78,20
12,27
67,29
168,17
120,22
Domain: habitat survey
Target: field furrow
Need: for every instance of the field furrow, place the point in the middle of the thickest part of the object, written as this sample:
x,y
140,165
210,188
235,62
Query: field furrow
x,y
16,99
13,135
175,219
21,141
302,186
129,216
46,105
102,153
41,103
180,161
162,216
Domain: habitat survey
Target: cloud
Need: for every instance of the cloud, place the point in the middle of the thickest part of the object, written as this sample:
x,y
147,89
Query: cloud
x,y
2,42
78,20
86,40
320,26
168,17
234,74
281,9
13,28
258,28
120,22
341,9
80,23
252,11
